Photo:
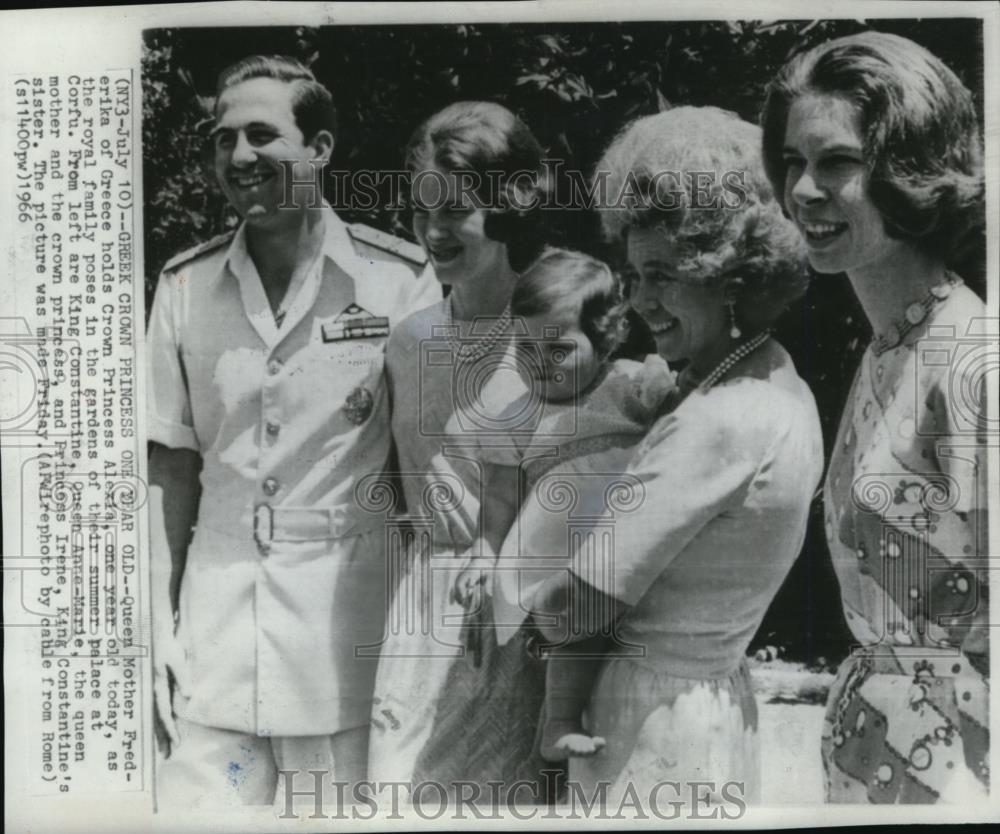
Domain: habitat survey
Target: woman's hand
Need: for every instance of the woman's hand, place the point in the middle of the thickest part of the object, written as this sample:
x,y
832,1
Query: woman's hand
x,y
470,591
170,677
472,584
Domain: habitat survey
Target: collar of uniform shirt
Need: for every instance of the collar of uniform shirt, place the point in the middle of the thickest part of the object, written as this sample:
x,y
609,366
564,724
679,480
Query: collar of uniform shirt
x,y
337,246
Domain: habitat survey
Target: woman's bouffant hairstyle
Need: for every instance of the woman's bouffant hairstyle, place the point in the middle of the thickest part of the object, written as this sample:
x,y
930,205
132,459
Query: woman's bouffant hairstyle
x,y
562,278
921,137
312,104
696,174
500,162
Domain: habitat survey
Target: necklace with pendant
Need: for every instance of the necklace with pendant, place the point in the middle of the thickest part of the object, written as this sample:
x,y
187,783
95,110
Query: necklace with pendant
x,y
915,314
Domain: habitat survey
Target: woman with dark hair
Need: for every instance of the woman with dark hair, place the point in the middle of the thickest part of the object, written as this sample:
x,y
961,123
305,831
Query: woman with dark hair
x,y
874,146
721,484
442,712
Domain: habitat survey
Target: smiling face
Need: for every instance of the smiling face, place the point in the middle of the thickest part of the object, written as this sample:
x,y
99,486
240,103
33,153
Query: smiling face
x,y
452,231
826,187
688,320
255,138
557,359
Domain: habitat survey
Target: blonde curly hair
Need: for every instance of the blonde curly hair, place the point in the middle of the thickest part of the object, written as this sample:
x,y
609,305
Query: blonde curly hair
x,y
696,173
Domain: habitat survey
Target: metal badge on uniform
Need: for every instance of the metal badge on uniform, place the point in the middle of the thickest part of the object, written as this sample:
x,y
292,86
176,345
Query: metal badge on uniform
x,y
358,405
355,323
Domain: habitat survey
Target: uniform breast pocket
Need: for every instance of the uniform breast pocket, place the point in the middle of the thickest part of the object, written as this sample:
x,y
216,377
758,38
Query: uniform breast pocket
x,y
349,373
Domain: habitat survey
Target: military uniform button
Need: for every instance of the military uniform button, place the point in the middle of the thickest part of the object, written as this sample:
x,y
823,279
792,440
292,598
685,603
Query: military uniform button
x,y
272,429
270,486
274,367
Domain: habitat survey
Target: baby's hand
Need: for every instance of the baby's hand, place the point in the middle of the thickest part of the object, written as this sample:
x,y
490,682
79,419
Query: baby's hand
x,y
655,382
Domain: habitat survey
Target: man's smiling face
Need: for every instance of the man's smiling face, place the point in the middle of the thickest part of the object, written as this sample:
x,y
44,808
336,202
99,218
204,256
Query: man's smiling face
x,y
257,142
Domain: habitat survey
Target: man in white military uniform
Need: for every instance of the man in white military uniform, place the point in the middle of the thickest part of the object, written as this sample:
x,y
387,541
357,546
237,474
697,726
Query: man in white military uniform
x,y
268,404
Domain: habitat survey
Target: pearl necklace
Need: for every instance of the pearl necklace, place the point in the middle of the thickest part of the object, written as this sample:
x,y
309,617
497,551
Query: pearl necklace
x,y
466,351
740,353
914,314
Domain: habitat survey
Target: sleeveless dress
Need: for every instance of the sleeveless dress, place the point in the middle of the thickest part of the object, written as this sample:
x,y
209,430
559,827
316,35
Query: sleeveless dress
x,y
442,712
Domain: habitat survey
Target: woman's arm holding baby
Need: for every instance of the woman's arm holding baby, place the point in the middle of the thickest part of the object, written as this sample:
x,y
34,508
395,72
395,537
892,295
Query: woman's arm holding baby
x,y
566,608
498,511
499,507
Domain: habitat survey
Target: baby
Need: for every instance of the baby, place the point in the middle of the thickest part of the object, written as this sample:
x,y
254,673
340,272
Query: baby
x,y
593,413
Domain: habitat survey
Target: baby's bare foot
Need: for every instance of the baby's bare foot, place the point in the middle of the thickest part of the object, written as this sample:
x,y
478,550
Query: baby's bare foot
x,y
576,745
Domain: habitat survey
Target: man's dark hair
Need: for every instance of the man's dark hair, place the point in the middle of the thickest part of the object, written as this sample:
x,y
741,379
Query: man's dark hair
x,y
312,104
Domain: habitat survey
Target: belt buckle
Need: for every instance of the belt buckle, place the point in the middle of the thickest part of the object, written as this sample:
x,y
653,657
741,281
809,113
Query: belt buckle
x,y
262,511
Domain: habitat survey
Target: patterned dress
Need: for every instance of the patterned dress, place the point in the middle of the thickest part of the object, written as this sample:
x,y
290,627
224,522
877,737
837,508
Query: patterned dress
x,y
906,521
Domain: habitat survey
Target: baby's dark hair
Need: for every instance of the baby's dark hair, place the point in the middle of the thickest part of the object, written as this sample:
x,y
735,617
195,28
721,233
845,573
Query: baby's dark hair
x,y
562,277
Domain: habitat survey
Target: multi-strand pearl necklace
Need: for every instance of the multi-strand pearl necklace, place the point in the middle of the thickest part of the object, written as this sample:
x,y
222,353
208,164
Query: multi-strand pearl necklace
x,y
470,351
738,354
914,314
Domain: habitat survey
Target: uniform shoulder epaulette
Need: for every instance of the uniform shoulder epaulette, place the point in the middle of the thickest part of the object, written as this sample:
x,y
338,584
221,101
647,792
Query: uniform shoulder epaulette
x,y
199,250
377,239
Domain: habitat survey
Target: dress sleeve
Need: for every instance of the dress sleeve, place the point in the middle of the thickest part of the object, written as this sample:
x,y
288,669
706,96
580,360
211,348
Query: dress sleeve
x,y
958,407
957,402
694,465
169,402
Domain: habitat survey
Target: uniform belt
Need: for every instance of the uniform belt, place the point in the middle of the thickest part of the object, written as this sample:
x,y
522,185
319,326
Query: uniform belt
x,y
304,524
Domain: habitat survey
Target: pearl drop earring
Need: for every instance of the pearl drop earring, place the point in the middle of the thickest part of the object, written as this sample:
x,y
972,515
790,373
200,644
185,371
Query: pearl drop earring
x,y
734,331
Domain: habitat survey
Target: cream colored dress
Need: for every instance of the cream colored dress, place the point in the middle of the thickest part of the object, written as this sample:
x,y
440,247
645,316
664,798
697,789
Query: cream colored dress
x,y
442,713
727,480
